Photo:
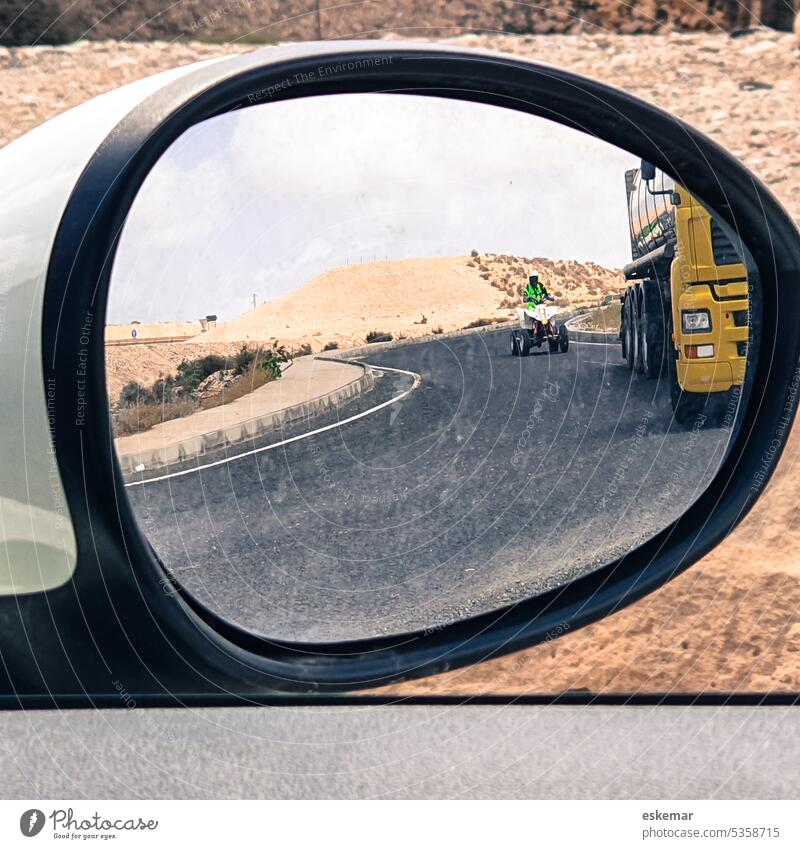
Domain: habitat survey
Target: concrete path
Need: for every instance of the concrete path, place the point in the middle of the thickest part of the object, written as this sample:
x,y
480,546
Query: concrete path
x,y
308,386
577,333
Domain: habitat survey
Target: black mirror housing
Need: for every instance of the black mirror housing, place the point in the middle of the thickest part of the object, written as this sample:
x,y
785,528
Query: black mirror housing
x,y
120,623
648,171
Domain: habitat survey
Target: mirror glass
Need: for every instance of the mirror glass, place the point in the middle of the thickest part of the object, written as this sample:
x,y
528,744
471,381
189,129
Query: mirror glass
x,y
376,363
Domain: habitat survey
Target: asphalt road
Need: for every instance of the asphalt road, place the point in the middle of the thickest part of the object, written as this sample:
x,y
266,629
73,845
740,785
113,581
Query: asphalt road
x,y
497,478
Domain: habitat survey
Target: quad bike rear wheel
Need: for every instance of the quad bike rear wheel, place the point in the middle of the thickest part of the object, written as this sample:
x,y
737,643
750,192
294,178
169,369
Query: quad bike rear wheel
x,y
563,338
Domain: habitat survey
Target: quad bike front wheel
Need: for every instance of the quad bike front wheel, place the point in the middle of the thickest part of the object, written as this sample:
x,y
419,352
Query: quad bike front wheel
x,y
520,344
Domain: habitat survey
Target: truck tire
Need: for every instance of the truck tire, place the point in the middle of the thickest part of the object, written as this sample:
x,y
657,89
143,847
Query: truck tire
x,y
552,344
524,344
696,410
623,350
515,349
627,328
638,365
686,406
563,339
653,330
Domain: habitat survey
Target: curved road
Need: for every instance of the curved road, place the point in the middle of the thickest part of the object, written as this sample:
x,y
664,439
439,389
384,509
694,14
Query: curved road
x,y
496,478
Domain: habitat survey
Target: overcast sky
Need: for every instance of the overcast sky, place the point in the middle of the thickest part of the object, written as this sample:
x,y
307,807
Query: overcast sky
x,y
261,200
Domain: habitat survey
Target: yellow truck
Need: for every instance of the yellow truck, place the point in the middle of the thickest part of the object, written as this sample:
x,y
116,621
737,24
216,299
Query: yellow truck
x,y
685,309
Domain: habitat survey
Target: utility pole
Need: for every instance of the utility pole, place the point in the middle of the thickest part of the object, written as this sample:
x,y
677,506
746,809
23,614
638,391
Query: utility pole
x,y
254,300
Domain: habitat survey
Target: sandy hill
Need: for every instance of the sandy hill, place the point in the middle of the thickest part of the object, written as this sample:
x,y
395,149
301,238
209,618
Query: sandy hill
x,y
161,331
409,298
575,284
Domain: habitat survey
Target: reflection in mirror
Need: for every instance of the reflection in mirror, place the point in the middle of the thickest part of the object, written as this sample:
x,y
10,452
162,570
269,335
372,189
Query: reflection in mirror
x,y
380,362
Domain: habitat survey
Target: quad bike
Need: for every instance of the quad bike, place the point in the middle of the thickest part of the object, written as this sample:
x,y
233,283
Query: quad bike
x,y
536,326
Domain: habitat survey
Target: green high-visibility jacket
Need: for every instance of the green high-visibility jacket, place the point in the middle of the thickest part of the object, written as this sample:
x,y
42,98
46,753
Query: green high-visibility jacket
x,y
535,294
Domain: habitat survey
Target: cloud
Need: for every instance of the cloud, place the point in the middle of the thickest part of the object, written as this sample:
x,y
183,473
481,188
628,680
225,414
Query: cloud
x,y
263,199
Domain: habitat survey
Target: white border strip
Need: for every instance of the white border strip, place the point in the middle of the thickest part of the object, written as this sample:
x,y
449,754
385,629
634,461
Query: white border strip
x,y
417,380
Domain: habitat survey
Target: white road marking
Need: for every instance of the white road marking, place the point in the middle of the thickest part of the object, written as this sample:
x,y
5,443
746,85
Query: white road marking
x,y
417,380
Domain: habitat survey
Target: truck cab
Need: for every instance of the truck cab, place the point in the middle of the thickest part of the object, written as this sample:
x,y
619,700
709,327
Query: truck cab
x,y
709,283
685,310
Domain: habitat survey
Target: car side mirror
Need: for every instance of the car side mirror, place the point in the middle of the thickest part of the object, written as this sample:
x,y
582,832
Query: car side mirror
x,y
368,462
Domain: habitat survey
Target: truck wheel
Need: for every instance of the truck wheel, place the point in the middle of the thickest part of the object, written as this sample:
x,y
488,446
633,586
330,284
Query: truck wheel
x,y
622,333
698,409
525,344
563,339
515,351
686,406
552,344
627,326
653,346
638,364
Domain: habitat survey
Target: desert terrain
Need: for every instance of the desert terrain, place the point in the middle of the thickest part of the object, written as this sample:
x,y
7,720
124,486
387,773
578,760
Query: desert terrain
x,y
732,622
271,21
404,298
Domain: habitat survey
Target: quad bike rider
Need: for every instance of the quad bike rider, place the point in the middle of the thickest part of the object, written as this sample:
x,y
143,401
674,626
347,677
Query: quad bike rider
x,y
537,322
536,293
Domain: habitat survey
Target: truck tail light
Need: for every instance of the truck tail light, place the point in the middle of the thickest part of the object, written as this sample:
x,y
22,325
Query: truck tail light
x,y
699,352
